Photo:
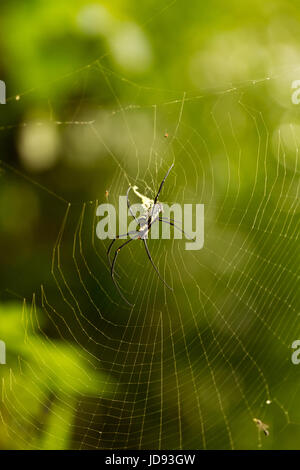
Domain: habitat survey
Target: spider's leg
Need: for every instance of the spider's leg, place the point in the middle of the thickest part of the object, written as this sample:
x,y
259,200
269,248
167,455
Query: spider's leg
x,y
161,184
120,293
112,270
152,262
116,255
113,241
170,222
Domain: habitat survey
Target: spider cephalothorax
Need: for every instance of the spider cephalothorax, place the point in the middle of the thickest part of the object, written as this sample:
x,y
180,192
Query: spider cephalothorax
x,y
152,210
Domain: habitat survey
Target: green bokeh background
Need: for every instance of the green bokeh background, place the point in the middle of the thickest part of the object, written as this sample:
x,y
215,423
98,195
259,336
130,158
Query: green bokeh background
x,y
93,88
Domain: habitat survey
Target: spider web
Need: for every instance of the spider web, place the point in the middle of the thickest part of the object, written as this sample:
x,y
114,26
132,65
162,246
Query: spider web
x,y
185,369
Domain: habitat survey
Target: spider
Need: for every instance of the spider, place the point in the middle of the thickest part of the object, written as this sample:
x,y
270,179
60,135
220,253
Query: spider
x,y
152,209
262,426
